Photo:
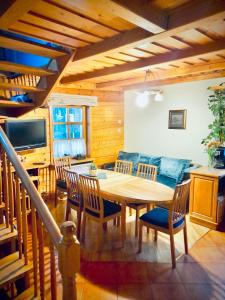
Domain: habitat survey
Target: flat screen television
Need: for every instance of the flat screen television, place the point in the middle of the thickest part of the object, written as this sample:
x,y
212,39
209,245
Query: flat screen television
x,y
26,134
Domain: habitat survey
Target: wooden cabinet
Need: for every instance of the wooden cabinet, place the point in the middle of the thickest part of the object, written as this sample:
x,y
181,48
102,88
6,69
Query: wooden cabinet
x,y
207,196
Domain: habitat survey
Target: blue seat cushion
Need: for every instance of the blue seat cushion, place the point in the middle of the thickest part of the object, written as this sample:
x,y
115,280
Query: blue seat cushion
x,y
159,217
110,208
174,167
167,181
61,183
130,156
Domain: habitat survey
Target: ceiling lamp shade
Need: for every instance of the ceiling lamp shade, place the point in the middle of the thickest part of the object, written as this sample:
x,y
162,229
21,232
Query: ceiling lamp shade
x,y
159,96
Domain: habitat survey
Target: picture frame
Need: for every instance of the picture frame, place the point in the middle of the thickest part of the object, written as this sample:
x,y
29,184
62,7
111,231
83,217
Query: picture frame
x,y
177,119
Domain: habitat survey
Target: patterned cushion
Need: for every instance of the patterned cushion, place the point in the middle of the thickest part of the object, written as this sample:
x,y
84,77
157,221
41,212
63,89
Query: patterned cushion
x,y
129,156
61,183
110,208
171,182
174,167
150,159
159,217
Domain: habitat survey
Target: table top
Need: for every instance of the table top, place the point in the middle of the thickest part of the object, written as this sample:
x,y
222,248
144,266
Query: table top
x,y
127,188
206,171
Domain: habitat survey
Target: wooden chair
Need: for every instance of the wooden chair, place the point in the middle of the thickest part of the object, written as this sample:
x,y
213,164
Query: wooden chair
x,y
96,208
170,220
147,172
60,163
123,166
74,197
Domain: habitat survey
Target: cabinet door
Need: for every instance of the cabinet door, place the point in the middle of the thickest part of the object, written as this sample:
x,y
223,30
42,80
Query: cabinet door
x,y
203,198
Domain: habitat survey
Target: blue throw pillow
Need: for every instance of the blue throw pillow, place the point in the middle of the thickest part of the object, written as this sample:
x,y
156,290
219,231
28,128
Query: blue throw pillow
x,y
129,156
174,167
150,159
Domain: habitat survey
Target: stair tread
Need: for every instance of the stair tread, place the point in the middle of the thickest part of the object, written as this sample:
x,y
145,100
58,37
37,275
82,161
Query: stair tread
x,y
27,295
2,205
6,234
30,47
12,268
8,103
23,69
17,87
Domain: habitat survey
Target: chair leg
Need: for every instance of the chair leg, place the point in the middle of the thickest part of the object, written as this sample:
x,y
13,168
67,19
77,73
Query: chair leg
x,y
156,236
147,209
114,222
172,249
185,239
78,223
130,211
104,226
136,222
67,211
118,221
100,236
83,227
56,196
140,238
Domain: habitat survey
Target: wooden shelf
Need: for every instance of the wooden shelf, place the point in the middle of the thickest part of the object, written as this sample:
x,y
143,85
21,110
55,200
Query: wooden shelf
x,y
18,68
19,88
8,103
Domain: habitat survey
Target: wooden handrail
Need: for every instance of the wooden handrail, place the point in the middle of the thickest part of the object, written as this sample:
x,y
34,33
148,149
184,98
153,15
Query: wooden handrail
x,y
35,197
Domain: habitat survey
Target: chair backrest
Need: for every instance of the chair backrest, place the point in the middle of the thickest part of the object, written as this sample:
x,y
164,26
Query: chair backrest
x,y
179,205
73,186
91,195
61,163
123,166
147,171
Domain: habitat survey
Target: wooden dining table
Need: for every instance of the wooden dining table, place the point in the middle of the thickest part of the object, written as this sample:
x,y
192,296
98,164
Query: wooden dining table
x,y
125,189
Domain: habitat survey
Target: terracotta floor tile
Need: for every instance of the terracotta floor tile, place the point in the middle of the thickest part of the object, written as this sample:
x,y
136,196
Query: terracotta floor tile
x,y
193,273
98,292
162,273
205,291
100,272
168,291
135,292
132,272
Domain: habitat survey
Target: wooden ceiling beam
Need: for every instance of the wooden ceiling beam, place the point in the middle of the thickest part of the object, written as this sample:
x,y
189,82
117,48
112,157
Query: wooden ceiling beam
x,y
12,11
138,13
178,79
170,73
175,55
194,15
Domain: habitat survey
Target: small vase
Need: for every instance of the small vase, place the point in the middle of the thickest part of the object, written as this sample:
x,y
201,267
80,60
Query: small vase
x,y
93,172
211,162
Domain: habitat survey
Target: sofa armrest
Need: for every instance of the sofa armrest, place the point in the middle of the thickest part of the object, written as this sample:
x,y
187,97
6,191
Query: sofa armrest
x,y
108,166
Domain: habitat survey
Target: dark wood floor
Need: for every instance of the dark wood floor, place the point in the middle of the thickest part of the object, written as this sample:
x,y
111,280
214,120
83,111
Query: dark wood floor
x,y
116,273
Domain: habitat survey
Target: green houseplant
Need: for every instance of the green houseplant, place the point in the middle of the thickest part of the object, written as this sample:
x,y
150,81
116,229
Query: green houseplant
x,y
216,136
93,169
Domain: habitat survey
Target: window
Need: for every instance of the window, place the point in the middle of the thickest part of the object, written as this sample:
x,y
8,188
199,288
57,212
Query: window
x,y
69,131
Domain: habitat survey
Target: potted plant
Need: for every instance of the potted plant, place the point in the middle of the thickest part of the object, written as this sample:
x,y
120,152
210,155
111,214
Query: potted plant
x,y
93,169
216,136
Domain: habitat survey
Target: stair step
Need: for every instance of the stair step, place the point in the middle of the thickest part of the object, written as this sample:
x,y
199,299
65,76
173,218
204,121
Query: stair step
x,y
12,268
27,295
9,66
30,47
2,205
6,235
8,103
19,88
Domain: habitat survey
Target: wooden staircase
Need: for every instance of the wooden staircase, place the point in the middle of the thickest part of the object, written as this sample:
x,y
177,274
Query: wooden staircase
x,y
27,233
36,83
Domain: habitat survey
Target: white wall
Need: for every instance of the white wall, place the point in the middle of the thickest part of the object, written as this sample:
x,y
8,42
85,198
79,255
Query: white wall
x,y
146,129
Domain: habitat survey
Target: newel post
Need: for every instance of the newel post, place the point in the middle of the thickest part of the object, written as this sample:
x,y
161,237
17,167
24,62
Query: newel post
x,y
69,260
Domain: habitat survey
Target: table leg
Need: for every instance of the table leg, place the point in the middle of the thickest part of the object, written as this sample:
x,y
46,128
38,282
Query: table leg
x,y
123,222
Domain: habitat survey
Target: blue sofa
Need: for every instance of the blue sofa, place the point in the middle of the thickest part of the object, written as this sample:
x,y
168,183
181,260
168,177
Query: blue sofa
x,y
171,171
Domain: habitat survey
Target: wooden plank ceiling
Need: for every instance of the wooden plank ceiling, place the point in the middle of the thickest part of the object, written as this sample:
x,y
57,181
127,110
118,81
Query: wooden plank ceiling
x,y
116,41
